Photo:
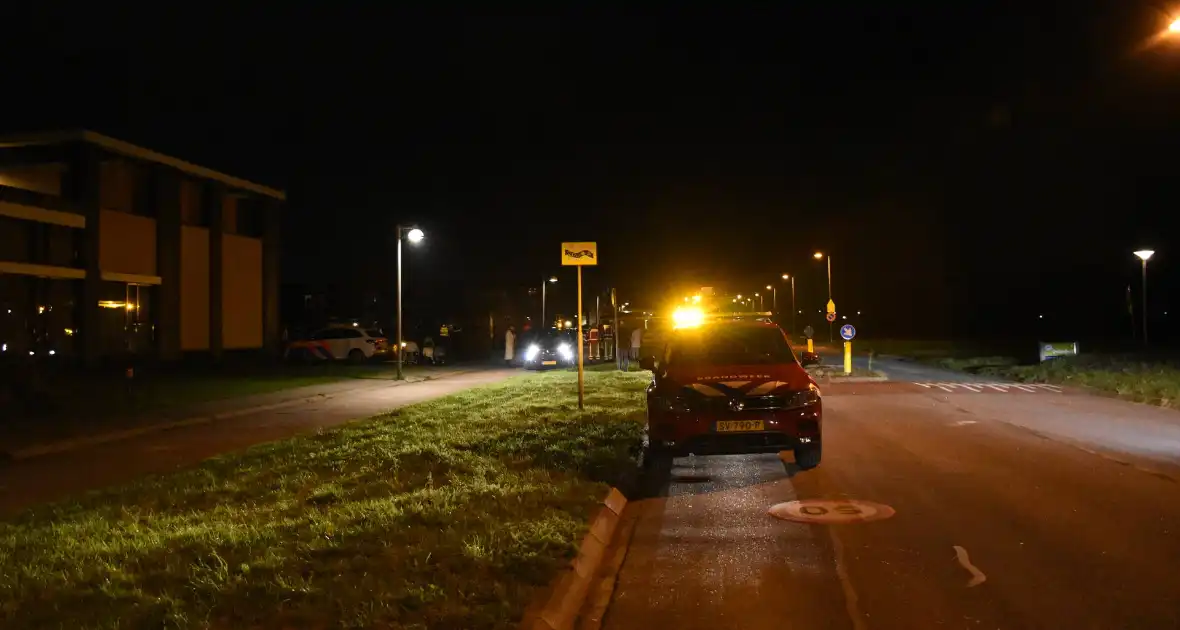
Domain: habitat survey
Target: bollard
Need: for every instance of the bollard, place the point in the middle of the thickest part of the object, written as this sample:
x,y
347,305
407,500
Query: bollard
x,y
847,357
810,346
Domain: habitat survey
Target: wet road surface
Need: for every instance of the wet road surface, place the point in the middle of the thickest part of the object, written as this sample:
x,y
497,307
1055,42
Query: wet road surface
x,y
28,482
1013,509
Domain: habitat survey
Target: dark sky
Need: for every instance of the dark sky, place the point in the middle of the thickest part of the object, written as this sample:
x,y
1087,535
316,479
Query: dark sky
x,y
969,165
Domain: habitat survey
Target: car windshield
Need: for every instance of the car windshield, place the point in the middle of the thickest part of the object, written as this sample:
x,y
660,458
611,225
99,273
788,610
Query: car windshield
x,y
731,345
374,332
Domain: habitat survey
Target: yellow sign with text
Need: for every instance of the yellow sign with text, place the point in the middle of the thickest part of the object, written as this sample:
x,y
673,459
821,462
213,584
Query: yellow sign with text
x,y
579,254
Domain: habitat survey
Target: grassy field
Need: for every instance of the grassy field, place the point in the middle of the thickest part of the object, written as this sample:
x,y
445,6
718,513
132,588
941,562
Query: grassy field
x,y
1151,380
446,514
1155,382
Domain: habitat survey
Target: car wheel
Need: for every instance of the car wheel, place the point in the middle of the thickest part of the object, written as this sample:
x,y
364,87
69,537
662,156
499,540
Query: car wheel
x,y
356,356
807,456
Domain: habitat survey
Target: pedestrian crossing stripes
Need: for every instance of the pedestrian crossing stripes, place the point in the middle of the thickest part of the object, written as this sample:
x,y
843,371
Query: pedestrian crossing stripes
x,y
980,388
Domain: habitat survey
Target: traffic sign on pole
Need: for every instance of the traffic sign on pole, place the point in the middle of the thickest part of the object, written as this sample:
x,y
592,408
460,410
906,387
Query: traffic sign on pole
x,y
579,254
831,308
848,331
809,332
831,317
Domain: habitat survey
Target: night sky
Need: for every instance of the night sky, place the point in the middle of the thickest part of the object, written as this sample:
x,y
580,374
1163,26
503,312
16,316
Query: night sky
x,y
969,165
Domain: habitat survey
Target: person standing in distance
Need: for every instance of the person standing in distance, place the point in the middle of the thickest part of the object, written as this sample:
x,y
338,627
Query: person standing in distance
x,y
509,345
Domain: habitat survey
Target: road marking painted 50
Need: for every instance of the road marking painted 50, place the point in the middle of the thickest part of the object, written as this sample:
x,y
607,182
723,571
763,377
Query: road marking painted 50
x,y
831,511
999,387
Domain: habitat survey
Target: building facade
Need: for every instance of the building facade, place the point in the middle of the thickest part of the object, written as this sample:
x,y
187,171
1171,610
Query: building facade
x,y
109,249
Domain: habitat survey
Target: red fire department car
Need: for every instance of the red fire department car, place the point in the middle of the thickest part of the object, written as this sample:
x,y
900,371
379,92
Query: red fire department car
x,y
731,386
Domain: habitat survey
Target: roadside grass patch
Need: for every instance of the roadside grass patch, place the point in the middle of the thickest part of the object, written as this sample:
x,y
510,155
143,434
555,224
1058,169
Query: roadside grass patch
x,y
445,514
1126,376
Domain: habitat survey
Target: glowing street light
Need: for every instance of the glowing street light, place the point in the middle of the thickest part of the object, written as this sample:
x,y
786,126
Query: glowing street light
x,y
1144,255
821,256
552,280
1175,26
414,235
787,276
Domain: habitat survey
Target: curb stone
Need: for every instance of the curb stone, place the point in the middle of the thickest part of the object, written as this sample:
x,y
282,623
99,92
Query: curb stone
x,y
63,446
569,591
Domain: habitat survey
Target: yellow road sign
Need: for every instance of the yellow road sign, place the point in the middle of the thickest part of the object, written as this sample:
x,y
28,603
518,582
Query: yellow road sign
x,y
579,253
831,306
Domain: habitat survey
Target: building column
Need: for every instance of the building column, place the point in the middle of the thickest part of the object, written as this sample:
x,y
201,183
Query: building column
x,y
80,187
214,198
271,319
167,308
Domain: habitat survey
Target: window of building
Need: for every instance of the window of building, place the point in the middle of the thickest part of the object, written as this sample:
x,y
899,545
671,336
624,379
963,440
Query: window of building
x,y
251,217
126,318
38,243
126,186
193,210
38,316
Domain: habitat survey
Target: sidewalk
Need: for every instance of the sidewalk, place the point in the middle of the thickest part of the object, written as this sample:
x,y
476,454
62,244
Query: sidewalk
x,y
20,440
86,466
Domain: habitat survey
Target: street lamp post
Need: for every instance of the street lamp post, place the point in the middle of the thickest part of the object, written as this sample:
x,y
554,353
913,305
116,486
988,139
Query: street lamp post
x,y
792,279
821,256
773,298
761,303
1143,255
543,324
415,235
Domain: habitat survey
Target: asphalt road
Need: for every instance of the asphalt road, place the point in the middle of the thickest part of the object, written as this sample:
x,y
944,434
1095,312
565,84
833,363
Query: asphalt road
x,y
24,483
1013,509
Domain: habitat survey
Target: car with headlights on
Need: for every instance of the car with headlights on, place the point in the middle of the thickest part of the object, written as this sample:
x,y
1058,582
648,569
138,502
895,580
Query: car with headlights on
x,y
549,349
731,386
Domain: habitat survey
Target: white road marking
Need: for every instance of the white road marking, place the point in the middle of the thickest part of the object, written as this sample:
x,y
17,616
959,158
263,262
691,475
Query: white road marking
x,y
1025,388
971,387
1052,388
926,385
964,423
977,576
998,387
851,601
943,386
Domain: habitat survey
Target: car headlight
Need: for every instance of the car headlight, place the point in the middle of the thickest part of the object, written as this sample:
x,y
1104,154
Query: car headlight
x,y
531,352
805,398
565,351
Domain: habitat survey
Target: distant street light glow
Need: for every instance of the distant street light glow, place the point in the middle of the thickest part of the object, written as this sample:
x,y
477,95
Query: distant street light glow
x,y
1175,26
1145,254
415,235
818,255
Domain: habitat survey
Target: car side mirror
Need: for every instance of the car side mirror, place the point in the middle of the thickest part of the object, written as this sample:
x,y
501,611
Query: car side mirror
x,y
647,363
809,359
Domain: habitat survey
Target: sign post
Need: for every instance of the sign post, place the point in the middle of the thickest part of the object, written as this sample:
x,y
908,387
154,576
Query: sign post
x,y
809,332
579,254
847,332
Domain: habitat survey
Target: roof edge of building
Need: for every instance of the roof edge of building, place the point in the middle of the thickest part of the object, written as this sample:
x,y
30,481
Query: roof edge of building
x,y
126,148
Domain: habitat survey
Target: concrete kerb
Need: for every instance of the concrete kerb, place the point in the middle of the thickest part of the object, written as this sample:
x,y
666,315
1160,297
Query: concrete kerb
x,y
64,446
569,591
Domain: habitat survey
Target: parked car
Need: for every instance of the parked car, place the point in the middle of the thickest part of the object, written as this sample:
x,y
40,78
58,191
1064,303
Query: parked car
x,y
334,343
729,386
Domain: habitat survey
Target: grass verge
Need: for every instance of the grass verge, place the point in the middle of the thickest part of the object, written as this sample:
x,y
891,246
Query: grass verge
x,y
446,514
1125,376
